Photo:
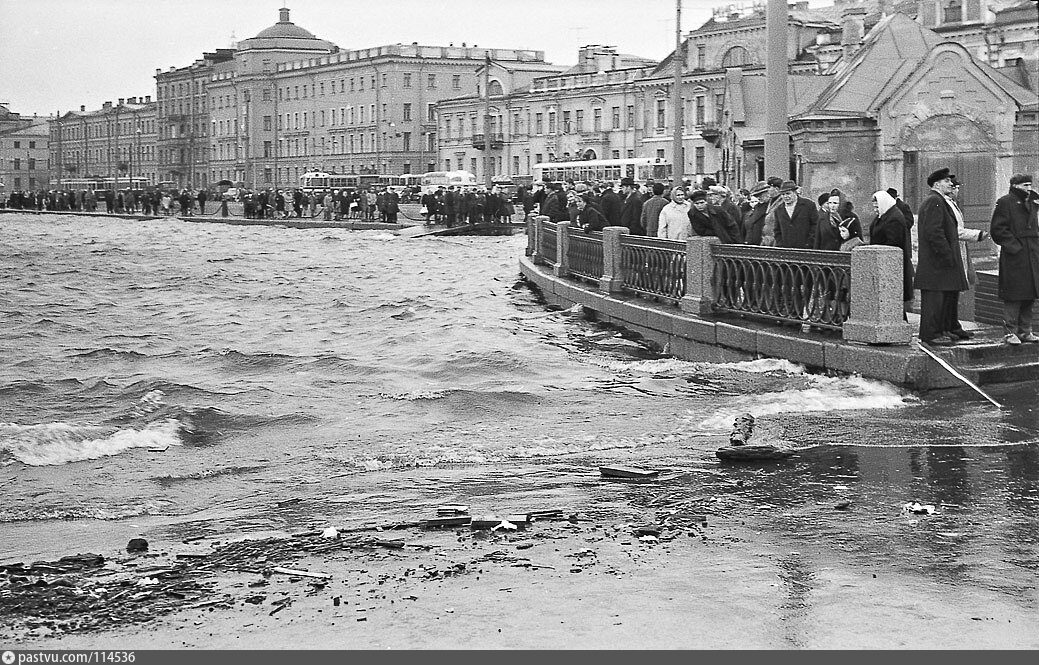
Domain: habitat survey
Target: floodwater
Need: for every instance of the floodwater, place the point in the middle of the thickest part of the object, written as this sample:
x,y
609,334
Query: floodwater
x,y
185,378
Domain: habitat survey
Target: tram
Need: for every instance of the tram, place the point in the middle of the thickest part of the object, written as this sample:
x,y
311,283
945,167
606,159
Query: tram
x,y
640,169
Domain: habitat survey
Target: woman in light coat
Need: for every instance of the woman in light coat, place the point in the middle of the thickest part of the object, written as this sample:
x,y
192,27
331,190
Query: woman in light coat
x,y
674,217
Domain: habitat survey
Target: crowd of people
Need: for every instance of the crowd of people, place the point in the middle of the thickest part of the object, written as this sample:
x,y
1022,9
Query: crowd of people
x,y
471,205
157,202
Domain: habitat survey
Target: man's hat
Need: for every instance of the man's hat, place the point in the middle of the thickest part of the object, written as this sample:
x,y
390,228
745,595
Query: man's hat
x,y
698,195
718,189
788,186
1020,179
774,181
759,189
627,182
940,174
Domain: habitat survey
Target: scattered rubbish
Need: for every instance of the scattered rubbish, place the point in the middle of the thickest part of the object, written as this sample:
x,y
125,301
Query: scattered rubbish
x,y
300,573
505,525
916,508
524,546
626,472
646,531
159,449
281,604
255,600
288,502
544,514
649,539
843,505
147,581
391,544
137,545
330,532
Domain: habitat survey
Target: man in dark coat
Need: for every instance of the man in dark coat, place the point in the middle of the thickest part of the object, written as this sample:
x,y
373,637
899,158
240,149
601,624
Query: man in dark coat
x,y
451,205
610,204
203,196
554,206
651,210
631,208
940,269
1015,229
796,219
903,207
754,219
709,221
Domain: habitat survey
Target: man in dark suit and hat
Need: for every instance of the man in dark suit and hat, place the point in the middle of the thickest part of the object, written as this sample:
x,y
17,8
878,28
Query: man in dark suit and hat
x,y
631,208
1015,228
941,272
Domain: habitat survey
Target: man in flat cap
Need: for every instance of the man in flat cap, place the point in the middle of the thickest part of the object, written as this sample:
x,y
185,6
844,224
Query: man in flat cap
x,y
941,272
1016,230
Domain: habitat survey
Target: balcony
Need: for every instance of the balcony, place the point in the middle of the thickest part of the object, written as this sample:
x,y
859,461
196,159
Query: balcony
x,y
710,131
497,141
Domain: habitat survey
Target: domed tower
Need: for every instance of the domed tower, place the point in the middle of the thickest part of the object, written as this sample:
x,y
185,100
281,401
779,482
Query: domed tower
x,y
281,42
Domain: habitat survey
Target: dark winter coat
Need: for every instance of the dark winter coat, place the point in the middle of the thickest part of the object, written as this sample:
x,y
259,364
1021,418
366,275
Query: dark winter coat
x,y
939,262
1014,228
714,222
892,230
797,230
631,214
828,234
611,207
753,222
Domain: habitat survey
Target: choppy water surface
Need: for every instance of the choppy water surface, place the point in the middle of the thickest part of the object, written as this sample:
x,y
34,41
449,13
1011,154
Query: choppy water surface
x,y
211,378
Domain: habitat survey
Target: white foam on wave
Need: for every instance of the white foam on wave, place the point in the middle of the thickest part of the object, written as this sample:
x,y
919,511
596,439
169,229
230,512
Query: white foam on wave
x,y
52,444
674,366
822,393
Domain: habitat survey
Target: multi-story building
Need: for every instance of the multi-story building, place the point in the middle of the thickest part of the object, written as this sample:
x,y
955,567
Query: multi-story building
x,y
114,141
182,113
24,159
289,102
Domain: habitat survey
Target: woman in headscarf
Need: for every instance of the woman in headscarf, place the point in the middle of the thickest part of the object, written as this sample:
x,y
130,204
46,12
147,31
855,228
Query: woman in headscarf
x,y
890,228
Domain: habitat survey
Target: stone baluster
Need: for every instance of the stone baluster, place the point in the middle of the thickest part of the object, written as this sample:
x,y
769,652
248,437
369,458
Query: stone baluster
x,y
562,267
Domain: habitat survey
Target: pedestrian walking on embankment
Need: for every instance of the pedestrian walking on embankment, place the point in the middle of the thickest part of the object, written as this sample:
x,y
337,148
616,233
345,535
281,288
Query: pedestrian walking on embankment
x,y
1015,229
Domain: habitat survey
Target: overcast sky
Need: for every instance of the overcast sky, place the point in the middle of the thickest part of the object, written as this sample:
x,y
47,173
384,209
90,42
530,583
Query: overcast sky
x,y
58,54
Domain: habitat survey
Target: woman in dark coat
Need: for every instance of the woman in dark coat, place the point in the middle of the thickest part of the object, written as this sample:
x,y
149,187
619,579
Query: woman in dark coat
x,y
890,228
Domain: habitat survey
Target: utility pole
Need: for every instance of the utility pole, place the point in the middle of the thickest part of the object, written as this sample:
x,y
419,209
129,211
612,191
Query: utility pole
x,y
777,136
487,120
677,150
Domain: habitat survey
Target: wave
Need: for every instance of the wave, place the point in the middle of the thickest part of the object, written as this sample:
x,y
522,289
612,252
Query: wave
x,y
38,513
51,444
820,394
251,361
108,352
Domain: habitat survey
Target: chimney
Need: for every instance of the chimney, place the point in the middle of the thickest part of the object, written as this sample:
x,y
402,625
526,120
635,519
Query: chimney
x,y
852,23
82,108
147,99
106,106
283,15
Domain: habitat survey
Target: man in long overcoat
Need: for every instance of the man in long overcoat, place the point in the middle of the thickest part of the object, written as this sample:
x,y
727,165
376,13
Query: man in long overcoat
x,y
1015,229
631,208
796,219
940,269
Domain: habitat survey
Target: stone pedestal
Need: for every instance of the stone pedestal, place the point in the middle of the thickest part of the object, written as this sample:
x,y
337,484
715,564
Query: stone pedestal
x,y
876,297
699,270
612,276
562,267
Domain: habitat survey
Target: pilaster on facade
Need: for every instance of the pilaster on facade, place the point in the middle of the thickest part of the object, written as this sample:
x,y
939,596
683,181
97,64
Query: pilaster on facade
x,y
117,140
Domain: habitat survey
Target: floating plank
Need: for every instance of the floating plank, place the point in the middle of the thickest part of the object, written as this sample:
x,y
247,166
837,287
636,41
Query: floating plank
x,y
300,573
752,453
437,522
443,511
626,472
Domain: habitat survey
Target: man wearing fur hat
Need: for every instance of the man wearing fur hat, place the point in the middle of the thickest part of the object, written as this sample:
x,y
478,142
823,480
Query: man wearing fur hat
x,y
941,272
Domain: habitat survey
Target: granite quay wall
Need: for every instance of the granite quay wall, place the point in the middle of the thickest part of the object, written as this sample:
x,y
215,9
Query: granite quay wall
x,y
837,313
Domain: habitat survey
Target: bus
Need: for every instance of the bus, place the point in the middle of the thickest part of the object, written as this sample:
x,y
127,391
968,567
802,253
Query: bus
x,y
105,184
314,181
640,169
434,180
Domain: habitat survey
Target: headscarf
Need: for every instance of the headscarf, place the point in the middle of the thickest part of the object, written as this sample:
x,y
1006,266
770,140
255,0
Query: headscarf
x,y
884,201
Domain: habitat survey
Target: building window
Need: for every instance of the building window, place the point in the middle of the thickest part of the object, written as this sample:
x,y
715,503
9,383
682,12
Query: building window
x,y
456,82
515,164
701,56
267,149
32,144
407,142
615,154
494,89
431,112
579,120
407,80
538,123
700,109
661,113
431,142
268,176
17,164
266,123
515,123
631,117
737,56
17,144
431,81
407,113
566,122
719,107
384,79
952,12
551,122
700,167
538,158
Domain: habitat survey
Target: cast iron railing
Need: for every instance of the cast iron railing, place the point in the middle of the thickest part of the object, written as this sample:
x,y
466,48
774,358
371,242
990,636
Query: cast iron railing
x,y
584,255
547,249
654,267
799,285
